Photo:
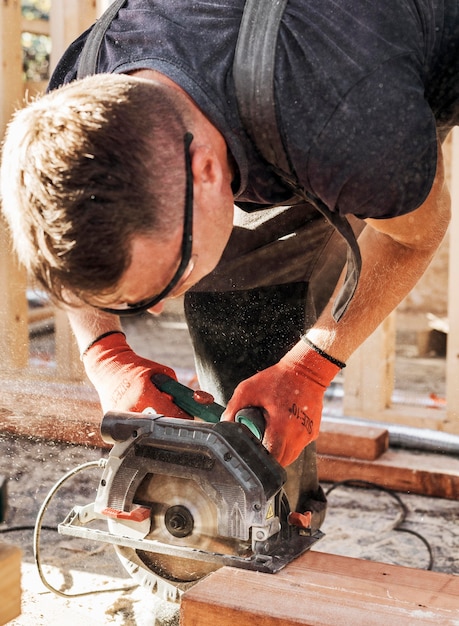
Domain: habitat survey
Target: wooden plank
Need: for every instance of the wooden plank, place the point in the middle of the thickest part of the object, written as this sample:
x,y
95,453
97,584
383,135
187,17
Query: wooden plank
x,y
10,582
68,19
36,27
426,474
68,361
360,442
433,417
323,589
50,410
40,314
10,60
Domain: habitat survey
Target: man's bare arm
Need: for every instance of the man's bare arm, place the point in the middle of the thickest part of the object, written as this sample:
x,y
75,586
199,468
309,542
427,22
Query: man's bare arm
x,y
395,254
89,323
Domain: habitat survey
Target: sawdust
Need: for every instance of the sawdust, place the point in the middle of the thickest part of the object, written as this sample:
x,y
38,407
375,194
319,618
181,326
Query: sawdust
x,y
123,607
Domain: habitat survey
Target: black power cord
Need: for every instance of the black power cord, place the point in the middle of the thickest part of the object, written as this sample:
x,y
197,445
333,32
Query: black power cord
x,y
15,529
364,484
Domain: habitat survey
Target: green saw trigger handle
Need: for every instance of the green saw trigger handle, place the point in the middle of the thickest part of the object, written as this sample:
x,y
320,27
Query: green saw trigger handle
x,y
185,398
252,417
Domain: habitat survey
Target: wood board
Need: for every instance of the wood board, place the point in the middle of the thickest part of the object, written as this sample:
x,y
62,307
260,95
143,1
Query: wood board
x,y
423,473
10,582
350,440
326,590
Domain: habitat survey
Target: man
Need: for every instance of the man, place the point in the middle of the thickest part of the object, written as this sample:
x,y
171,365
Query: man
x,y
95,176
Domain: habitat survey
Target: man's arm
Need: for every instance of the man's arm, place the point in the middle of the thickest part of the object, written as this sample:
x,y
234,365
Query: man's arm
x,y
395,254
121,377
89,323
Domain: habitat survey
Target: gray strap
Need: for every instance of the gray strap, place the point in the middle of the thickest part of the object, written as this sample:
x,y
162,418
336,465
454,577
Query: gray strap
x,y
253,73
90,53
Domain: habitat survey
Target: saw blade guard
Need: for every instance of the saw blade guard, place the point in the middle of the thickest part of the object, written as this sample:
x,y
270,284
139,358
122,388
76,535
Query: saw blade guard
x,y
209,488
219,469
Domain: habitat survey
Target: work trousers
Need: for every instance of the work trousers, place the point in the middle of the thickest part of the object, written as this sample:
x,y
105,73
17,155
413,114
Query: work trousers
x,y
277,273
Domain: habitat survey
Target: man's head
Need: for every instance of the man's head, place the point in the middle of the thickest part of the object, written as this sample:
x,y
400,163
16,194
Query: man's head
x,y
87,168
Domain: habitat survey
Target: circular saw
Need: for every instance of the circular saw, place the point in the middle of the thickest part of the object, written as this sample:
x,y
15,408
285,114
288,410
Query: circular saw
x,y
180,498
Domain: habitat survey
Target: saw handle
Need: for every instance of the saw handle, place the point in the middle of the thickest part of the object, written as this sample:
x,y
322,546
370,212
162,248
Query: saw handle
x,y
194,403
207,410
253,418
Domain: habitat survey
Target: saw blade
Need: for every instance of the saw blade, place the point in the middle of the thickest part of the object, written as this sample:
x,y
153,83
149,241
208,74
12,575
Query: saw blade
x,y
182,515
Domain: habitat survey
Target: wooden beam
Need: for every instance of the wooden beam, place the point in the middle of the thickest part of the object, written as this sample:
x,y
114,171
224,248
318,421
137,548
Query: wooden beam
x,y
369,375
10,60
326,590
13,312
68,361
68,20
10,582
359,442
425,474
14,341
434,417
35,27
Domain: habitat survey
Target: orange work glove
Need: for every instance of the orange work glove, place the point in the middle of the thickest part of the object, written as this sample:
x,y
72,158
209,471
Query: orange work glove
x,y
291,396
122,378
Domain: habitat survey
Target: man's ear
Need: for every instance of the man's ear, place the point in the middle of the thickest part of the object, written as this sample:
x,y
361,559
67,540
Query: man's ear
x,y
206,167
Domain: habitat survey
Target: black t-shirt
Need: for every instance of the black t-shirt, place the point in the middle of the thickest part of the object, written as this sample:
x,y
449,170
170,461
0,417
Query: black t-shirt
x,y
361,89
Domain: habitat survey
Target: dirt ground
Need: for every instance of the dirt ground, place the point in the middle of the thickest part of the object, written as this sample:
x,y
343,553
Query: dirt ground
x,y
360,522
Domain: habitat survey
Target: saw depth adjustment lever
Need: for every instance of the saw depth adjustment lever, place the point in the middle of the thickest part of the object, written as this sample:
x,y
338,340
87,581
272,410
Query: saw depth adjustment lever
x,y
201,404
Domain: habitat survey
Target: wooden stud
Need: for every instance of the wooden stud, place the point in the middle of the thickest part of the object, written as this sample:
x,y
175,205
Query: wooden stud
x,y
68,362
452,360
369,375
68,20
13,312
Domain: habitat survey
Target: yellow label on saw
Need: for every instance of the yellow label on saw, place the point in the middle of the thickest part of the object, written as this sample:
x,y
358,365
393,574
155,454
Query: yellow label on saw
x,y
270,512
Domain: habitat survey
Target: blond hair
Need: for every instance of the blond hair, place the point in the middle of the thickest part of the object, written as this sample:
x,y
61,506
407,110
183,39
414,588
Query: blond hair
x,y
85,168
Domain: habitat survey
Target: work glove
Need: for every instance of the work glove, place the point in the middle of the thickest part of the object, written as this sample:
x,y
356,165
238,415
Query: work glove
x,y
291,396
123,379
